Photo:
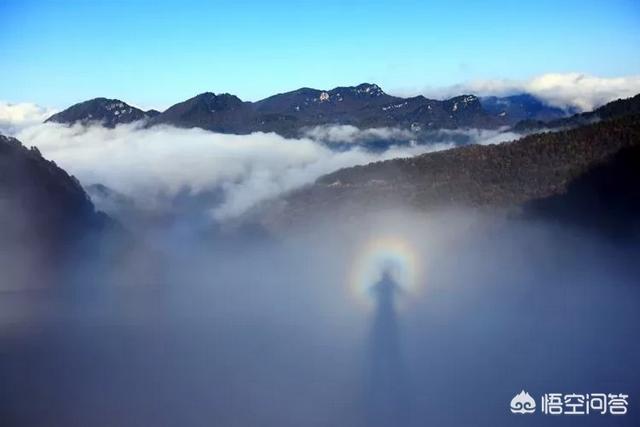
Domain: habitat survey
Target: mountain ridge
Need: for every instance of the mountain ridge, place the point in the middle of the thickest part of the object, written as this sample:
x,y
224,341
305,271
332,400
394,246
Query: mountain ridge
x,y
365,106
289,113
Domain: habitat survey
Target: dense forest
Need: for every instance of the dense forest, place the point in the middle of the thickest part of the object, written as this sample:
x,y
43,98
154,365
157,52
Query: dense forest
x,y
505,175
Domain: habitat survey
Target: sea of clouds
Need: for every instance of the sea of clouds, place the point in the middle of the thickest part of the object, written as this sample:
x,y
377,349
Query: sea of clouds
x,y
144,163
150,166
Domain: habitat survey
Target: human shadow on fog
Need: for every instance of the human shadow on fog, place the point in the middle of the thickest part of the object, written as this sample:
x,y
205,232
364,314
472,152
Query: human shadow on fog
x,y
387,390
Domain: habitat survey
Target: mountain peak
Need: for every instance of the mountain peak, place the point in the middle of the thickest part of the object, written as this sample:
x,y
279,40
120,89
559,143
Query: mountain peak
x,y
370,89
467,99
204,95
221,113
463,103
212,97
110,112
361,90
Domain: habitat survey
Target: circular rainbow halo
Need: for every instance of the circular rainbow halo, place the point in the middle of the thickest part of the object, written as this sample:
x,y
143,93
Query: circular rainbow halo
x,y
386,254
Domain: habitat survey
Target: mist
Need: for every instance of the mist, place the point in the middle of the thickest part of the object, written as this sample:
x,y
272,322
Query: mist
x,y
275,330
151,166
195,322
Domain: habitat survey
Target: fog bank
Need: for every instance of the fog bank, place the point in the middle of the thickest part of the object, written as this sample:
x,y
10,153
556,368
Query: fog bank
x,y
153,165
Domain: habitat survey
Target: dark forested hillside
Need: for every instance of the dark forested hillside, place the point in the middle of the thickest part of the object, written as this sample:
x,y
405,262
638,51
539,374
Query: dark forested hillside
x,y
44,212
606,197
42,191
505,175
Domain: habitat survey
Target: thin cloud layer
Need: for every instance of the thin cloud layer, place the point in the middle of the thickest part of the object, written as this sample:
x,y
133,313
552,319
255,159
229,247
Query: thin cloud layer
x,y
569,90
480,136
352,134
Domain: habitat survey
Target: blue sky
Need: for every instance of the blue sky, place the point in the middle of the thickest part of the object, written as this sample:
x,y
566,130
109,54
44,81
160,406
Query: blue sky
x,y
157,53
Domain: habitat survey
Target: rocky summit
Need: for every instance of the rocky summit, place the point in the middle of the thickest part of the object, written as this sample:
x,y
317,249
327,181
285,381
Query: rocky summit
x,y
107,112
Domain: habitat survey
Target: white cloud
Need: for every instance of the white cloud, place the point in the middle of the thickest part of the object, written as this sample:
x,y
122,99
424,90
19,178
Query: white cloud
x,y
163,160
568,90
352,134
582,91
14,117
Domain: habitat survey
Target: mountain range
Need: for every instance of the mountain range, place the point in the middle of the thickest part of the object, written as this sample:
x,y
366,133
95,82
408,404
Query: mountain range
x,y
289,114
589,174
